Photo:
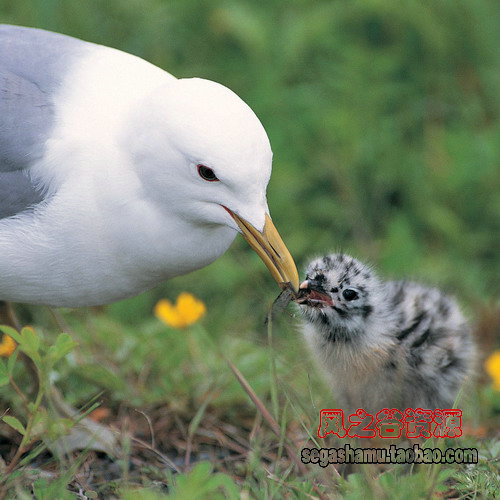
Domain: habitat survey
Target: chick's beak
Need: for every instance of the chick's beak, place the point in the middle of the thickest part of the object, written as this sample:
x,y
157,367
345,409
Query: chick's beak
x,y
312,293
271,249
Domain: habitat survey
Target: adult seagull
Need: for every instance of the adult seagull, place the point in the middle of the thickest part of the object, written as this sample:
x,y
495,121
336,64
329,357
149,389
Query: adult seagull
x,y
115,175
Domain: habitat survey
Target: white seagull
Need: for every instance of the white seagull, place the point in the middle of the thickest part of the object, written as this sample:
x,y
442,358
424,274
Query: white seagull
x,y
115,175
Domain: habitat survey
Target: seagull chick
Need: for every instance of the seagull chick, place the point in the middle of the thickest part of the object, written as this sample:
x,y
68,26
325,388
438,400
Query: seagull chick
x,y
394,344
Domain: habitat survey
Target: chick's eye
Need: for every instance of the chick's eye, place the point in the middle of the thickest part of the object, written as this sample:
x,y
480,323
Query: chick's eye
x,y
349,294
206,173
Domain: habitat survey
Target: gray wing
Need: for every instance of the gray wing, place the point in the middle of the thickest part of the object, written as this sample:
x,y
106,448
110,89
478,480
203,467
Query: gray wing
x,y
16,193
33,64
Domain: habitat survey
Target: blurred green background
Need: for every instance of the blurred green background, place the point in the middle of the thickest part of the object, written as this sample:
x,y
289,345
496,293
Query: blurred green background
x,y
383,118
384,121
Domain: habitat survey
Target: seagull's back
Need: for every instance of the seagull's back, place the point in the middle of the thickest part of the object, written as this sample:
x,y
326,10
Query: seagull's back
x,y
41,71
33,64
50,81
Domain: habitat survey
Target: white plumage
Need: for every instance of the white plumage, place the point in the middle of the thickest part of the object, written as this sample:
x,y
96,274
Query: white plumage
x,y
118,202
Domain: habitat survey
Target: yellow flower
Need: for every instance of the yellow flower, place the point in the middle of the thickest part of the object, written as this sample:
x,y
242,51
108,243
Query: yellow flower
x,y
186,311
492,365
7,346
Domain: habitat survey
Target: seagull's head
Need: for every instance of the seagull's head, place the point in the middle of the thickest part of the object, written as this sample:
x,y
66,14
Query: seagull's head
x,y
203,154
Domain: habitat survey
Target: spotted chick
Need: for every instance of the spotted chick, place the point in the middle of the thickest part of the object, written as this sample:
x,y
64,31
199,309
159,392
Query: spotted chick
x,y
383,344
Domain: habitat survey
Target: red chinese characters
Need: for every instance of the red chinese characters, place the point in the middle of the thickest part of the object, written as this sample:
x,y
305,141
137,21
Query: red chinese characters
x,y
390,423
331,422
448,423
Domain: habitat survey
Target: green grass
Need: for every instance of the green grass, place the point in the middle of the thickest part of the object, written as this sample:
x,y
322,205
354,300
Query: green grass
x,y
167,391
383,118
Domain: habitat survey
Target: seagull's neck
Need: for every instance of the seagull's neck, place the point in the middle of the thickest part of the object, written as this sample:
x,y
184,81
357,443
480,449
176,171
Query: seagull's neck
x,y
153,245
100,240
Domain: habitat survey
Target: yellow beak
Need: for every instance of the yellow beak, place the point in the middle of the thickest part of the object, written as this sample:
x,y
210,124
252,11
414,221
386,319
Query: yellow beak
x,y
271,249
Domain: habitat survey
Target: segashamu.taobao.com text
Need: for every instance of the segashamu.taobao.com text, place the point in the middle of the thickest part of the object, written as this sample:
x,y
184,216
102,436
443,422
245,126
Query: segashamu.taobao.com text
x,y
390,455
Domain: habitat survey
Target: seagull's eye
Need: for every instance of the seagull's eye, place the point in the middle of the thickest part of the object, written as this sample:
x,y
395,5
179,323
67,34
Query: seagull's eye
x,y
206,173
349,294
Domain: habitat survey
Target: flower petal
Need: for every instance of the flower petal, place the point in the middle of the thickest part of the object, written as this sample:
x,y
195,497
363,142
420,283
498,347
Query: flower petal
x,y
7,346
190,309
492,365
166,312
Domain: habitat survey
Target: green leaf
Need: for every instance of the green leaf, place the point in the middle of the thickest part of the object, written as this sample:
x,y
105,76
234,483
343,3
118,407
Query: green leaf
x,y
14,423
45,490
29,343
11,362
4,373
40,487
200,483
63,345
11,332
40,422
30,339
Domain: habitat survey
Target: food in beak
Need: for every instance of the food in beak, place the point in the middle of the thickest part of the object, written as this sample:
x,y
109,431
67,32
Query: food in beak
x,y
271,249
313,296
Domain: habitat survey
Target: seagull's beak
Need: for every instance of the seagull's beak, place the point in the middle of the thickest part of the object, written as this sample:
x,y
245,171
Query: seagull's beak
x,y
271,249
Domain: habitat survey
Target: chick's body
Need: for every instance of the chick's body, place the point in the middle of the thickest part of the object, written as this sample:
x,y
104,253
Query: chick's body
x,y
394,344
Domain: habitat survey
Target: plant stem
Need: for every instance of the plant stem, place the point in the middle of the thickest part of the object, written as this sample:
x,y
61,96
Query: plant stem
x,y
29,426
